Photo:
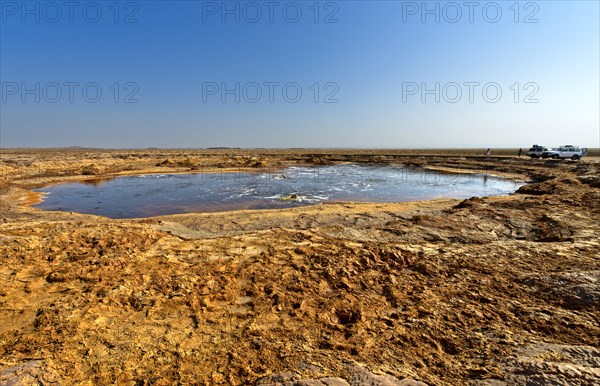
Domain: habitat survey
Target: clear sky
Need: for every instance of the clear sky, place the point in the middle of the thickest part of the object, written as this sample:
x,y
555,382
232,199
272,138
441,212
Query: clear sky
x,y
299,73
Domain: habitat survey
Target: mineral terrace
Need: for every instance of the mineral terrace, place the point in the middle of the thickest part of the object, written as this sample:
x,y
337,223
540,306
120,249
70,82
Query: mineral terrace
x,y
484,291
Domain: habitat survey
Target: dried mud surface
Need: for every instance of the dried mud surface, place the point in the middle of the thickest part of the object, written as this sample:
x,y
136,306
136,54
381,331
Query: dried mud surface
x,y
485,291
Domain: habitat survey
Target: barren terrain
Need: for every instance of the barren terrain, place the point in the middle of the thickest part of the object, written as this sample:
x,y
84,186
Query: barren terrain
x,y
485,291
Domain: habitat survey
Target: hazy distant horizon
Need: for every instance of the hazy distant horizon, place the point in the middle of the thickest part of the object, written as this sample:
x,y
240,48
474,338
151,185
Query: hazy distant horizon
x,y
276,148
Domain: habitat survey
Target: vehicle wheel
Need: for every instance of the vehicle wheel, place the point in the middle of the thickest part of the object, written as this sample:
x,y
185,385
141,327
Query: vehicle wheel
x,y
555,156
575,157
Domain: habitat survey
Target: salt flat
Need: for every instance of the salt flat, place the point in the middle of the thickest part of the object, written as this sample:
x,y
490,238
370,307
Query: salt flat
x,y
495,290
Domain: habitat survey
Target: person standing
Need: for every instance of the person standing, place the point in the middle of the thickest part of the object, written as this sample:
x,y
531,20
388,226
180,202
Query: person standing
x,y
520,152
488,152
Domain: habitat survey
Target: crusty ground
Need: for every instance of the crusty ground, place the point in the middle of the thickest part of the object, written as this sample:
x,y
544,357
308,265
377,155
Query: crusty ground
x,y
447,292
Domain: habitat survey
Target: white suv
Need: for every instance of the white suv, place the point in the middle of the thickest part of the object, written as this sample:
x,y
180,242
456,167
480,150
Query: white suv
x,y
536,151
568,151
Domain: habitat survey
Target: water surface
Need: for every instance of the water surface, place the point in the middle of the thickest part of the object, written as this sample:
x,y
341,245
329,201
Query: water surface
x,y
161,194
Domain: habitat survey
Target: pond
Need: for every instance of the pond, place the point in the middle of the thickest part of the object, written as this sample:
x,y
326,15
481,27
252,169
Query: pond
x,y
162,194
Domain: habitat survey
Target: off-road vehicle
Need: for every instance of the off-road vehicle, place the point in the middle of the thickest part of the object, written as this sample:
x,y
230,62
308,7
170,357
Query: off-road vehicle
x,y
567,151
536,151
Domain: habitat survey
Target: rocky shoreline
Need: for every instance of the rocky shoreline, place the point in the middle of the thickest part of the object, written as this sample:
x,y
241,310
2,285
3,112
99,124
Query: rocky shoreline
x,y
485,291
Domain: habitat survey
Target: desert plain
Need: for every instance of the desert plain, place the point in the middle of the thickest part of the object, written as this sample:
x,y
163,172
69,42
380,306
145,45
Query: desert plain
x,y
484,291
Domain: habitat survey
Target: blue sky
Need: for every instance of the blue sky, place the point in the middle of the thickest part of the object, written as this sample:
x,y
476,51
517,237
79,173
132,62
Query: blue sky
x,y
361,68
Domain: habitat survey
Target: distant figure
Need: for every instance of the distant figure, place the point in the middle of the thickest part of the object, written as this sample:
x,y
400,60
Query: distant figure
x,y
520,152
488,152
